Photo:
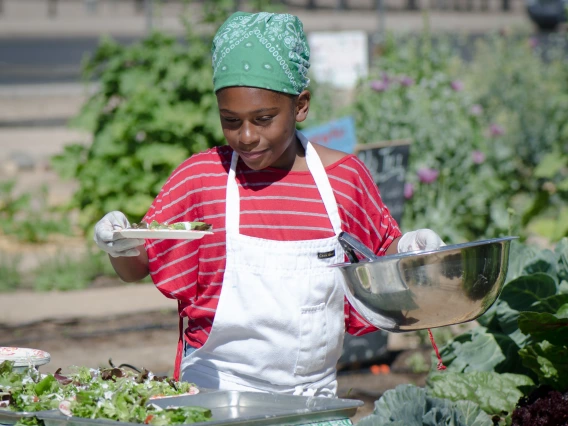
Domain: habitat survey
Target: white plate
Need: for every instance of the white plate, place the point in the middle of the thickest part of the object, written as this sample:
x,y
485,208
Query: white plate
x,y
162,234
22,357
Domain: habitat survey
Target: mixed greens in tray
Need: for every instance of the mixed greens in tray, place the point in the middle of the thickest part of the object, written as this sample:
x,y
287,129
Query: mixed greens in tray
x,y
105,393
178,226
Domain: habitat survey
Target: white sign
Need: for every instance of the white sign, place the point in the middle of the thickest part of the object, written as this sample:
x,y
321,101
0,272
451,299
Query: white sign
x,y
339,58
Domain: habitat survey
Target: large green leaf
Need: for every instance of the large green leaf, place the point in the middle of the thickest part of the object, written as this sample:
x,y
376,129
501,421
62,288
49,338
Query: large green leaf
x,y
523,292
134,80
475,350
88,117
550,164
508,323
545,326
495,393
404,406
67,163
553,303
561,251
471,414
111,141
161,154
549,362
528,259
513,362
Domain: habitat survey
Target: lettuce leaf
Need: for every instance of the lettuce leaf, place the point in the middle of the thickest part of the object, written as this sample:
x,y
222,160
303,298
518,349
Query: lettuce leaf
x,y
496,394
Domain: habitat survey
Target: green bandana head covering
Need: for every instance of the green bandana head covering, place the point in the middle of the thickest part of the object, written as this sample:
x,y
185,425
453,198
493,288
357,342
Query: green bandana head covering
x,y
265,50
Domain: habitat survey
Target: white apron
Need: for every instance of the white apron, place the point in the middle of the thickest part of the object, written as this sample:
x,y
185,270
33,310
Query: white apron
x,y
279,324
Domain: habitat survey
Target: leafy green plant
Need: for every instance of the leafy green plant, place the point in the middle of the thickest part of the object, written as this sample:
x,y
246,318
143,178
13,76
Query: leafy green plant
x,y
28,217
489,133
525,333
409,405
416,92
63,272
154,108
10,276
417,363
537,290
496,394
523,85
520,346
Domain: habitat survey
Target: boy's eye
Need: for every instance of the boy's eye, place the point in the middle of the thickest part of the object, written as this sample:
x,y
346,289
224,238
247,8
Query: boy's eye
x,y
230,119
265,118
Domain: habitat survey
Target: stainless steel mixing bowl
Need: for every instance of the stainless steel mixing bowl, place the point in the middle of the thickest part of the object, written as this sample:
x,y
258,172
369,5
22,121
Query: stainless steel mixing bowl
x,y
419,290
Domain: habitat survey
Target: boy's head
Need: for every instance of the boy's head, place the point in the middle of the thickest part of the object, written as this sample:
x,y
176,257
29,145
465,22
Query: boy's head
x,y
260,66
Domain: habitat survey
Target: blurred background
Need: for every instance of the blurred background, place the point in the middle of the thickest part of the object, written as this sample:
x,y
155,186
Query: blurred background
x,y
101,99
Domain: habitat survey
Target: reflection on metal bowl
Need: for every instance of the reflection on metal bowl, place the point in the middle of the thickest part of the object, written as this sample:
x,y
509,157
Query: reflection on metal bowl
x,y
420,290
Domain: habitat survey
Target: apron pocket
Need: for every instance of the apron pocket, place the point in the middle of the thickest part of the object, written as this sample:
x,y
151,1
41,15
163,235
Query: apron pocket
x,y
312,341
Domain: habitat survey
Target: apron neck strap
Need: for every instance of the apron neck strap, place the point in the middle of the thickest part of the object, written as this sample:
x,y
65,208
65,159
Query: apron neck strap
x,y
322,182
315,166
233,208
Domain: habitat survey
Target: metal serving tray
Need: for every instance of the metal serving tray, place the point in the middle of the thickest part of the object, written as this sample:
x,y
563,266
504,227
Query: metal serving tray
x,y
11,417
241,408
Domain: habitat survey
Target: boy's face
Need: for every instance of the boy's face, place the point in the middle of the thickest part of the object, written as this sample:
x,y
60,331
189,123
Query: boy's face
x,y
260,124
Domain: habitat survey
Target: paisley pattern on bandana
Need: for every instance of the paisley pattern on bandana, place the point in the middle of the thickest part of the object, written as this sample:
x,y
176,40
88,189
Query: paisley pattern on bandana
x,y
266,50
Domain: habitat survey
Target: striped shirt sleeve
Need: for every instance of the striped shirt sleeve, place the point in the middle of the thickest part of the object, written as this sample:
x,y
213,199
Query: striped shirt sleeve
x,y
173,264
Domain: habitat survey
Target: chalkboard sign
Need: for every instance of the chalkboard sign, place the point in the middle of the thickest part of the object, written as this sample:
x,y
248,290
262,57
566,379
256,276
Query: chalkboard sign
x,y
387,162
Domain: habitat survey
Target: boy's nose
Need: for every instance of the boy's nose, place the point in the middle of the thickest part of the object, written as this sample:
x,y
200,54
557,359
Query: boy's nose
x,y
248,134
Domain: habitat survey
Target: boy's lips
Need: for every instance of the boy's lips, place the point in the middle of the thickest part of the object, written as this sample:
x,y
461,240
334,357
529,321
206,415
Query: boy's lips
x,y
252,155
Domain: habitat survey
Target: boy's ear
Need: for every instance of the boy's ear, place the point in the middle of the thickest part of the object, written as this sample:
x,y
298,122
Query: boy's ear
x,y
302,105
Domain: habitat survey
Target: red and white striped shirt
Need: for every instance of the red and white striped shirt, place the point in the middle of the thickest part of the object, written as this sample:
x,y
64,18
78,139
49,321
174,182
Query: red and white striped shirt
x,y
275,204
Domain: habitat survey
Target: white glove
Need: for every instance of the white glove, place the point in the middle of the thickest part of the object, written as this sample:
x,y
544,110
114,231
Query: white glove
x,y
115,246
421,239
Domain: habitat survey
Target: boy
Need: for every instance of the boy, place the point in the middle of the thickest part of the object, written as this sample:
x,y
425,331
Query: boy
x,y
264,311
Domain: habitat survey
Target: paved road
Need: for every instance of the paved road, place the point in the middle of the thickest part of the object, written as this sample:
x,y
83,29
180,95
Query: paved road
x,y
36,48
46,60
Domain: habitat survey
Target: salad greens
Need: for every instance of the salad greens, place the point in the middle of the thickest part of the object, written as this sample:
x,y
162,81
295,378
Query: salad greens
x,y
111,394
183,226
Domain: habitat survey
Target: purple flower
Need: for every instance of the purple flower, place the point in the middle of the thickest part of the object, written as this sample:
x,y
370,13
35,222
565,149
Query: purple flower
x,y
476,110
533,42
408,190
478,157
386,79
427,175
496,130
379,85
406,81
457,85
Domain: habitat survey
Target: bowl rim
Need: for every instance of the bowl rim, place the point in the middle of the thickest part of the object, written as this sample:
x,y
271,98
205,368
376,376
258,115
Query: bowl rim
x,y
422,253
22,357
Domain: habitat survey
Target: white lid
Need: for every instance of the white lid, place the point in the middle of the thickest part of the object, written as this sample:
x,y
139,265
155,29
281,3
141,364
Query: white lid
x,y
23,357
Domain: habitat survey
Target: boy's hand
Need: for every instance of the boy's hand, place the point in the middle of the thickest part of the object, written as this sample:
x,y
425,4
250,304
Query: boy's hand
x,y
421,239
106,240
